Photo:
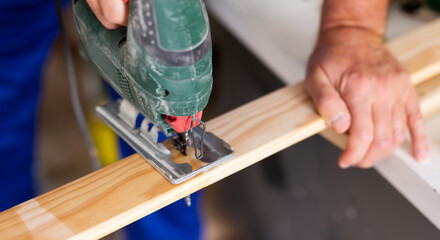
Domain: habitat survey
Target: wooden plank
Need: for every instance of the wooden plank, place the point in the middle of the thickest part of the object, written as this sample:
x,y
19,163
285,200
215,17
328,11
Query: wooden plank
x,y
429,96
417,48
121,193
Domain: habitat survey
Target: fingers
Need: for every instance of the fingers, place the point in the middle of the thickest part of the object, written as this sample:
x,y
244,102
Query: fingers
x,y
389,128
417,129
111,13
399,123
383,141
328,101
360,134
115,11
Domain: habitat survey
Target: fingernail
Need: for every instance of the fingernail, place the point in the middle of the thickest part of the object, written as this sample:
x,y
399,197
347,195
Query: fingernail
x,y
423,157
344,165
339,121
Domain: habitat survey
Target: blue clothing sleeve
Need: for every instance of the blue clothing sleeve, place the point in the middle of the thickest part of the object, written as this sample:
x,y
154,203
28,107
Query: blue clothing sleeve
x,y
27,30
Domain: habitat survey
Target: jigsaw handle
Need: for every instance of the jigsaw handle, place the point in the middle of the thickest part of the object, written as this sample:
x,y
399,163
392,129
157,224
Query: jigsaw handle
x,y
161,62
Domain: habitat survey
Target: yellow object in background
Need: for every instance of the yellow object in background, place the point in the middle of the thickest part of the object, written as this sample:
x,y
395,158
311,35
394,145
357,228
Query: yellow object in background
x,y
105,141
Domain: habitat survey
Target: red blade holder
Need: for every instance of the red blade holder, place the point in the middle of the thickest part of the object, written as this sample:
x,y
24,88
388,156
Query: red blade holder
x,y
183,124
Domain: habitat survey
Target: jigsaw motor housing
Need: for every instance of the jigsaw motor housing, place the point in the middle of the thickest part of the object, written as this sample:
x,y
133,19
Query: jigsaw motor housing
x,y
161,63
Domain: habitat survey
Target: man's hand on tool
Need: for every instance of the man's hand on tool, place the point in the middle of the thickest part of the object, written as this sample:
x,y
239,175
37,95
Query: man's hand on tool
x,y
111,13
357,85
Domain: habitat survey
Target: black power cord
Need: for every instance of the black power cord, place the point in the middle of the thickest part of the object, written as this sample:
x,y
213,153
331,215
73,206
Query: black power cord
x,y
73,89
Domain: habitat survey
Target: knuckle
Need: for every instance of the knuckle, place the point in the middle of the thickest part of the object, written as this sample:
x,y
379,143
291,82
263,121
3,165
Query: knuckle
x,y
361,87
384,142
404,76
399,135
416,119
356,76
364,135
383,86
355,96
326,101
400,74
358,87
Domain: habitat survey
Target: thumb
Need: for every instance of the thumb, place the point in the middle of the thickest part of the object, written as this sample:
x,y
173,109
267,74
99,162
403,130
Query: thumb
x,y
328,101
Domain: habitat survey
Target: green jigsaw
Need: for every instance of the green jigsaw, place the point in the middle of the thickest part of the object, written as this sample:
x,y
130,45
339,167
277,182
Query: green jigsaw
x,y
161,66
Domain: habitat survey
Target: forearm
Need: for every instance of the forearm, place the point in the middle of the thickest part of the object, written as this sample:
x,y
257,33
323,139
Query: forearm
x,y
369,15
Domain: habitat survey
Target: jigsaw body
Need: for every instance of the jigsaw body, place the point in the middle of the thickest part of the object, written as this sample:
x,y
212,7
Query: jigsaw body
x,y
161,65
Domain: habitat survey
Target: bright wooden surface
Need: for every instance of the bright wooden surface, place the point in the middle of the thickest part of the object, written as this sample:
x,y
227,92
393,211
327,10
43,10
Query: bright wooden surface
x,y
121,193
417,48
429,96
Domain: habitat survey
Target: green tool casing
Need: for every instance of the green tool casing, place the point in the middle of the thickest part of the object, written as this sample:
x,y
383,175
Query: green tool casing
x,y
161,62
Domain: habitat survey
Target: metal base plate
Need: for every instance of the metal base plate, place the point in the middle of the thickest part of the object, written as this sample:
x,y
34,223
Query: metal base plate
x,y
215,151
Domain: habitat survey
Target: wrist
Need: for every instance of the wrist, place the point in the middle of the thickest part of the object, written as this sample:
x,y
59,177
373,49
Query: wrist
x,y
376,29
369,16
349,35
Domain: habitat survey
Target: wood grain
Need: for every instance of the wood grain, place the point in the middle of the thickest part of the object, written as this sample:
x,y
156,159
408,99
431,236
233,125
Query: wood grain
x,y
418,51
110,198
